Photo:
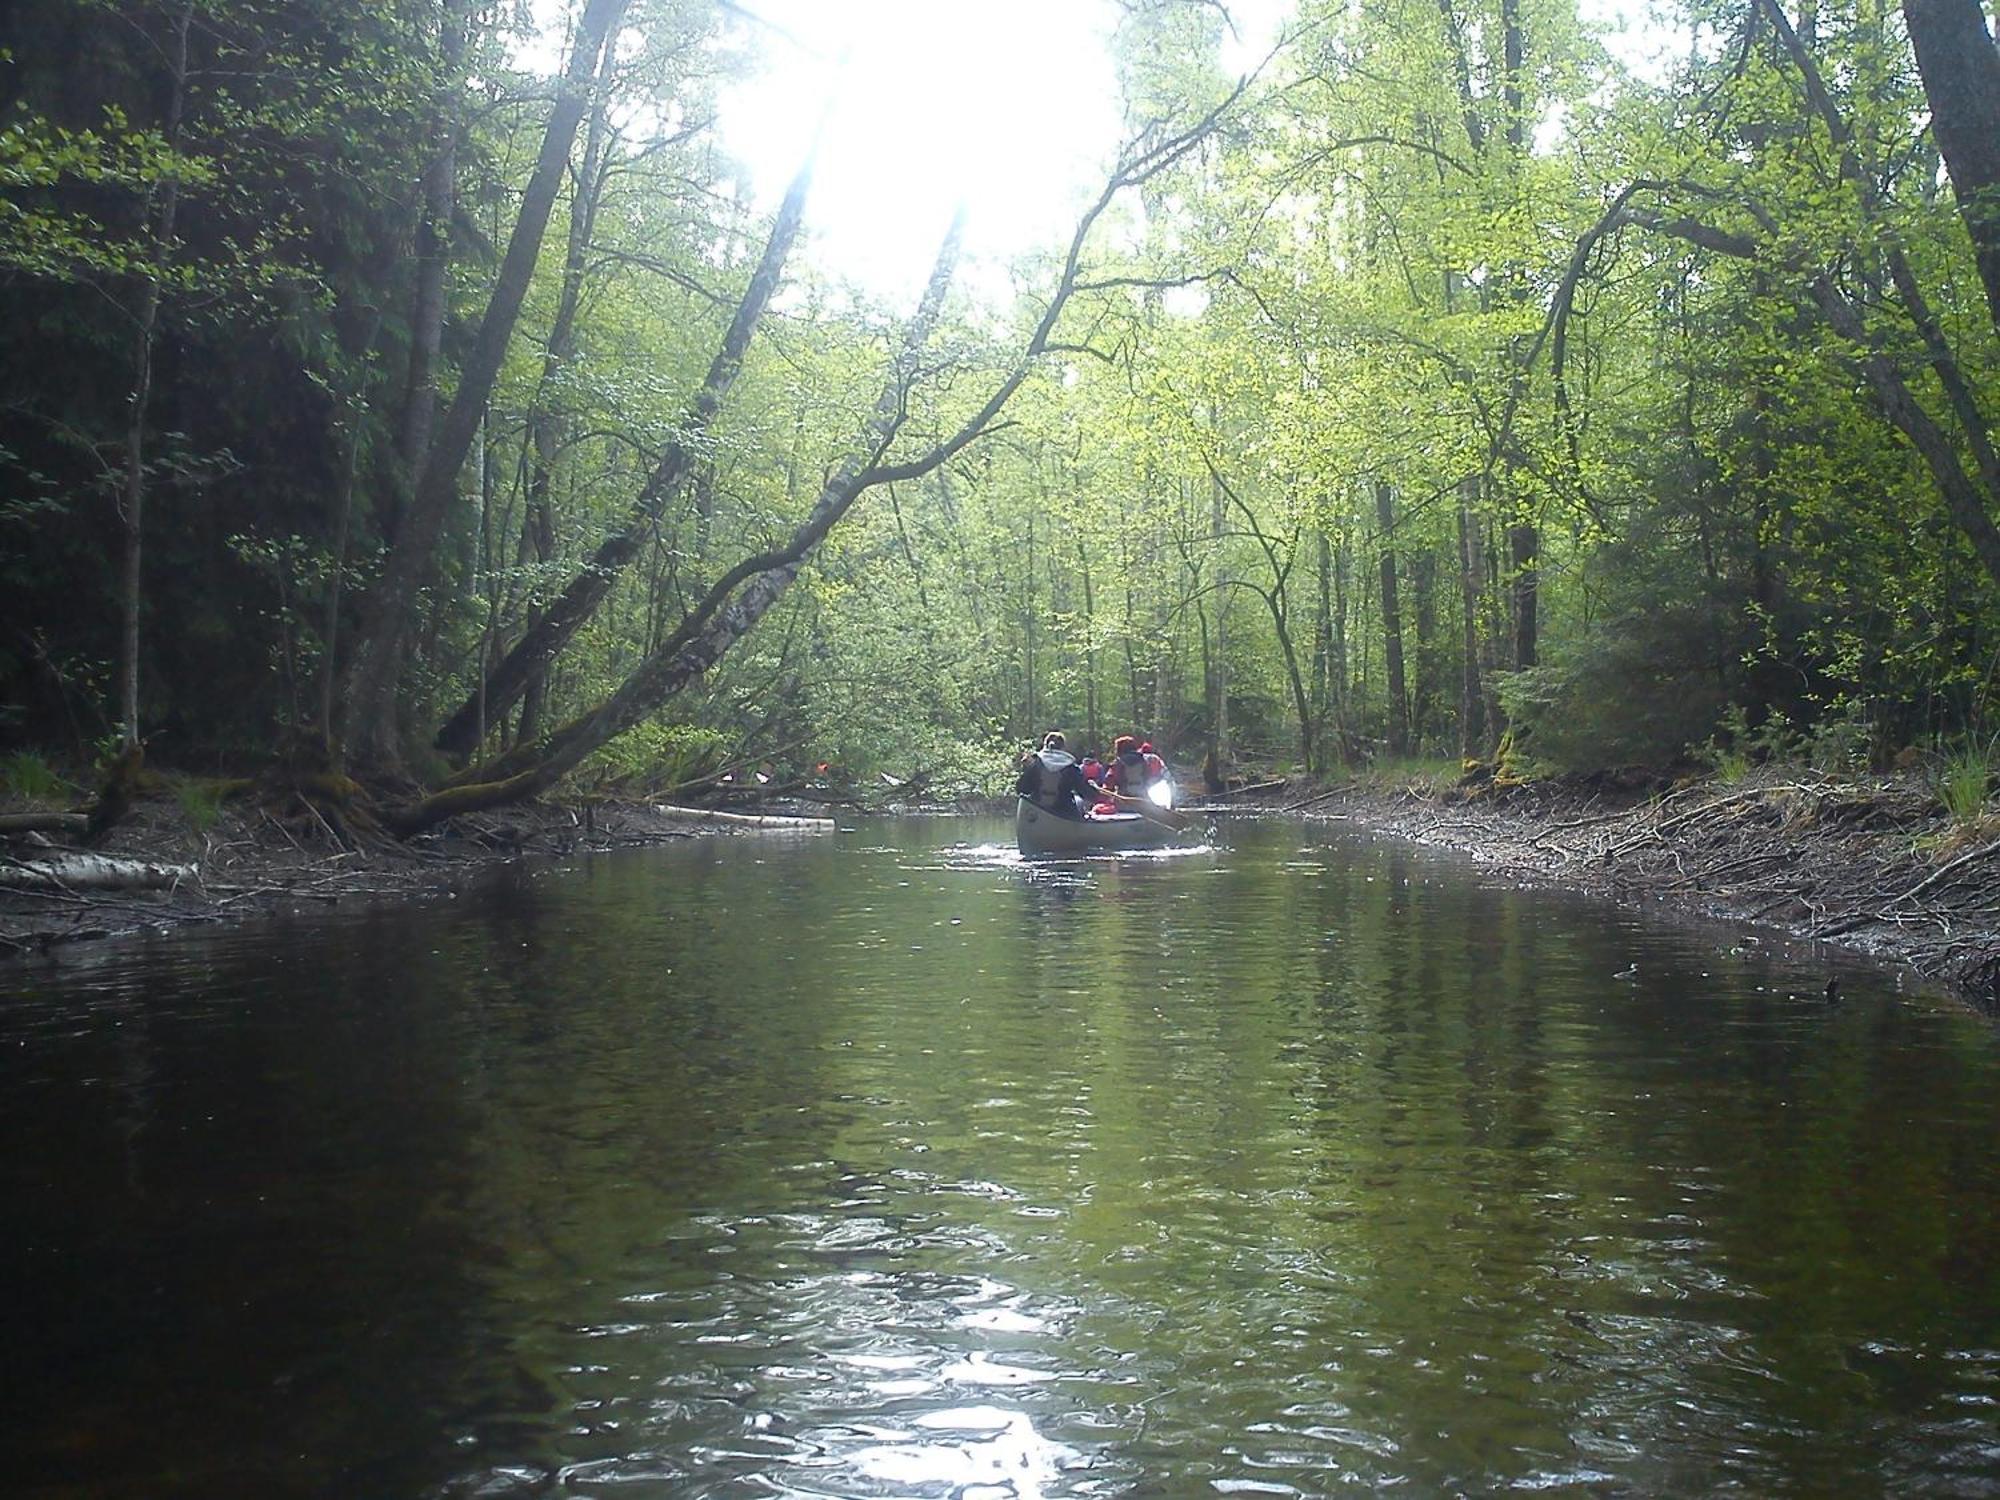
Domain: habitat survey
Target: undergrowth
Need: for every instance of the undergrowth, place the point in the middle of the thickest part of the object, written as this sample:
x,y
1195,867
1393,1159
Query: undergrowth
x,y
26,777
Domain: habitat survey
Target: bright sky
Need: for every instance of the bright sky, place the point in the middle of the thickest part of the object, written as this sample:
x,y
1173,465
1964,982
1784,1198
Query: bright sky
x,y
1010,104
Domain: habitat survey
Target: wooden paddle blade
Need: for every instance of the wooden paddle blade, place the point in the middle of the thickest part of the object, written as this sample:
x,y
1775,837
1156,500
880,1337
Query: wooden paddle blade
x,y
1145,807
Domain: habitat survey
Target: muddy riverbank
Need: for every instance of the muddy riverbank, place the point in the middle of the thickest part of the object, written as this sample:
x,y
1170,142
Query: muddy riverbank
x,y
250,861
1875,865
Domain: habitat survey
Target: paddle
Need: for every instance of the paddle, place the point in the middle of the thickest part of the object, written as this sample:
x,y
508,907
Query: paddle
x,y
1145,807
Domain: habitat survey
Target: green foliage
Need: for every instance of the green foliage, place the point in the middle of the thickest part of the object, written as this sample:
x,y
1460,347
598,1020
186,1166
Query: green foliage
x,y
200,803
1736,748
38,156
1396,773
657,757
29,779
1625,692
1178,527
1964,778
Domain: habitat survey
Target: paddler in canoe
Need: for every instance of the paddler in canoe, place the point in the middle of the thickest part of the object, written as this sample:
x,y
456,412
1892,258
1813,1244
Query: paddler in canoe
x,y
1052,779
1135,771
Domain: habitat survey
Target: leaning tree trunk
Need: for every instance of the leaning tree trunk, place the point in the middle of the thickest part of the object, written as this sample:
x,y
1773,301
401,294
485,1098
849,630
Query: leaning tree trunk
x,y
379,649
737,601
558,625
538,539
1960,68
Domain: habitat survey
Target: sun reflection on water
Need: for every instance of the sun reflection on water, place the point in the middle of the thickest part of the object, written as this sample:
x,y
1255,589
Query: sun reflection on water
x,y
970,1452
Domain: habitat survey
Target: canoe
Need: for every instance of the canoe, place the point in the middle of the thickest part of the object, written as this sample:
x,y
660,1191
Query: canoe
x,y
1039,832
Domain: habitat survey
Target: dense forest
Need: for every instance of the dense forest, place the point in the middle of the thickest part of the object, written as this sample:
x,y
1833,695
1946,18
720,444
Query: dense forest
x,y
417,391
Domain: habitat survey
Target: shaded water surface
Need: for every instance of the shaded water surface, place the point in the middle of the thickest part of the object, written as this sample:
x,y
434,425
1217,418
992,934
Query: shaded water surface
x,y
882,1164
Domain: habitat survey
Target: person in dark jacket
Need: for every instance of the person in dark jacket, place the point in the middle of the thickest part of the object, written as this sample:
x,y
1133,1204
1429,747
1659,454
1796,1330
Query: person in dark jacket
x,y
1052,780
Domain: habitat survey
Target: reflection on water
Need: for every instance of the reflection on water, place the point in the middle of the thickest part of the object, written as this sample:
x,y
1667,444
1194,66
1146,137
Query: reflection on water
x,y
893,1164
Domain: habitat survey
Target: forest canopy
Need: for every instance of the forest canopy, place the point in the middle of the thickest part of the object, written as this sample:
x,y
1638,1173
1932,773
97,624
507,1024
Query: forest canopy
x,y
431,385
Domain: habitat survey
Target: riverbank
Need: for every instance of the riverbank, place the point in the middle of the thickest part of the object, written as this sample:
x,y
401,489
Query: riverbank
x,y
1874,865
241,860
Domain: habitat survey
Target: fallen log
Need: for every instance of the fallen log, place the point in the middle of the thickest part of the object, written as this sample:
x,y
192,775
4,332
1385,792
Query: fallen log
x,y
1241,791
90,872
1316,798
44,822
741,820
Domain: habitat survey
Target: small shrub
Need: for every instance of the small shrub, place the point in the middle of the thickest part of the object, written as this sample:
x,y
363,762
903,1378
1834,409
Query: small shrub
x,y
1839,742
1727,751
1735,748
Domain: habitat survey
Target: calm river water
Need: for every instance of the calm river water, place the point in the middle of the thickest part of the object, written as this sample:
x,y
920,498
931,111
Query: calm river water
x,y
883,1164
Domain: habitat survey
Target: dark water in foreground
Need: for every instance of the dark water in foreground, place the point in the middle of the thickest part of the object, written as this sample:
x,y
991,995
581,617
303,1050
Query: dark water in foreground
x,y
880,1165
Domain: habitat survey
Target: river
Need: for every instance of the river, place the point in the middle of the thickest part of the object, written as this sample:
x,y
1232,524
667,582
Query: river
x,y
882,1163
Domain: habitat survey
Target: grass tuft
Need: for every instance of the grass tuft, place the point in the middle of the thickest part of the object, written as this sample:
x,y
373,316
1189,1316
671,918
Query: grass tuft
x,y
26,777
1964,778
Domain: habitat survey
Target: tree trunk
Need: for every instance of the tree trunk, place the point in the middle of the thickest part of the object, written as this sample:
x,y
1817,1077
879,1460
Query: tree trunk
x,y
93,872
379,650
1392,624
1276,600
356,417
433,258
1322,696
146,322
1471,572
1301,701
540,645
1028,630
1525,545
1960,68
1492,639
1090,726
545,426
1131,655
1963,499
1218,688
1425,696
1337,669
